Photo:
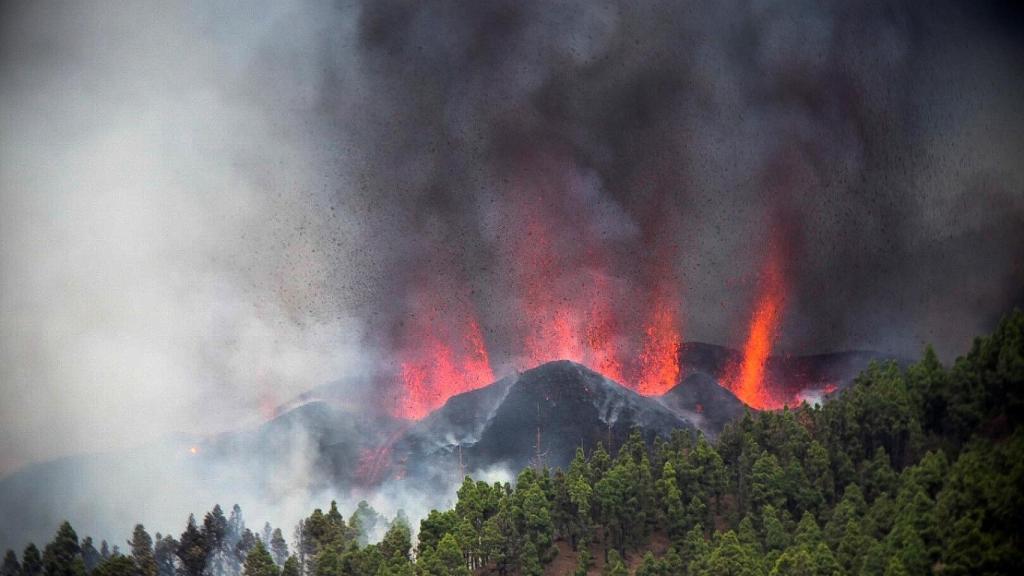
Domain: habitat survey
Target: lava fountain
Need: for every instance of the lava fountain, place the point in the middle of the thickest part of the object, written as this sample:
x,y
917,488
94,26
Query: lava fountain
x,y
568,289
444,355
748,381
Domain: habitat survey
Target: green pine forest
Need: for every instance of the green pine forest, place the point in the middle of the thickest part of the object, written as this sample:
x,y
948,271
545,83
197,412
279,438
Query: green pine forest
x,y
915,470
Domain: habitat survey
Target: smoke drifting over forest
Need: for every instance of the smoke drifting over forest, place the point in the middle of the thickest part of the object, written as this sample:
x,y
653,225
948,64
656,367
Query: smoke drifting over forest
x,y
206,211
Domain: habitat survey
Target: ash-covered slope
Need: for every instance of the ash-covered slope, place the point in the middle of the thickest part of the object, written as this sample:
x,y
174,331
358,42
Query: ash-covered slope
x,y
566,403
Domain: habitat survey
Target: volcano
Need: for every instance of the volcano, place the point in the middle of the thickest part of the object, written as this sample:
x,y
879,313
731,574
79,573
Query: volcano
x,y
542,415
539,416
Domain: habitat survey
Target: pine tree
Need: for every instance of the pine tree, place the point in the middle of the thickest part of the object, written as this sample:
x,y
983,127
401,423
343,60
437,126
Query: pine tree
x,y
529,560
538,526
11,566
807,532
776,537
326,561
672,503
305,547
928,382
612,493
291,567
818,468
447,559
164,551
434,527
397,542
235,526
492,541
614,566
62,556
730,558
192,549
278,547
337,532
875,560
600,463
696,512
583,559
766,483
747,535
795,561
141,546
90,555
215,528
580,496
695,550
824,561
878,476
852,547
673,563
215,534
259,562
364,522
468,541
31,562
649,566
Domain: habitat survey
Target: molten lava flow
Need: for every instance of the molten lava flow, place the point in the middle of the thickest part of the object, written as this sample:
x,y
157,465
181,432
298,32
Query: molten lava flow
x,y
659,356
748,381
374,463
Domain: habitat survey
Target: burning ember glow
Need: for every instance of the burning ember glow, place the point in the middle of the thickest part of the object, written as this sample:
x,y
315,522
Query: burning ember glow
x,y
748,380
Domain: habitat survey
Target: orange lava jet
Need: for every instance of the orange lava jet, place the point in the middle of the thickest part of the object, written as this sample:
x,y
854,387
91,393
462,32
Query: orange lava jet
x,y
447,356
659,356
748,381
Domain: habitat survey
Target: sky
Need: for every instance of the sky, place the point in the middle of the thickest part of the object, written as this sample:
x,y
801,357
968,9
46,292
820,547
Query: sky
x,y
208,208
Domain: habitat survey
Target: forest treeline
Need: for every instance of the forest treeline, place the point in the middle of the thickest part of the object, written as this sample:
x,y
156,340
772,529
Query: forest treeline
x,y
916,470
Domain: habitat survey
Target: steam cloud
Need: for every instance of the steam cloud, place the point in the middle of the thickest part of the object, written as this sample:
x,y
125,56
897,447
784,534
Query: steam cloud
x,y
208,210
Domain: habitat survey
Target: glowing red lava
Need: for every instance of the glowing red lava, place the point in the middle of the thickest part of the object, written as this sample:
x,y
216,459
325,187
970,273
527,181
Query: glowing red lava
x,y
659,356
748,380
446,356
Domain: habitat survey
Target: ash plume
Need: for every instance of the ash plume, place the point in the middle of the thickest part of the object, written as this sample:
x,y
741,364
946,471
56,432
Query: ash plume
x,y
880,138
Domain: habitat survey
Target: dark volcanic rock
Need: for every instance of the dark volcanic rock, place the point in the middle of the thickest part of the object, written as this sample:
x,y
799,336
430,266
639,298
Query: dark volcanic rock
x,y
568,404
699,398
789,376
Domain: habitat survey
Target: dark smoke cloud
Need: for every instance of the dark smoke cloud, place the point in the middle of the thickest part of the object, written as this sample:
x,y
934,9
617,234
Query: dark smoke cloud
x,y
883,138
